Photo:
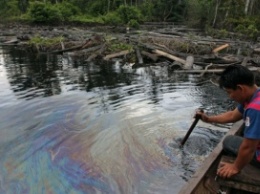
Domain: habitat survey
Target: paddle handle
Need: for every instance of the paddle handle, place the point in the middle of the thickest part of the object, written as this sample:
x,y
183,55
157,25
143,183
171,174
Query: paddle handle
x,y
197,118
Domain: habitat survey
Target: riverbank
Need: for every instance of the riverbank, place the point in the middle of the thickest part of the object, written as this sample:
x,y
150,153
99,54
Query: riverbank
x,y
73,33
177,46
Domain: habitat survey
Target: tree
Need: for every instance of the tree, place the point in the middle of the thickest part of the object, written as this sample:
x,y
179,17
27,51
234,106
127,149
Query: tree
x,y
168,9
23,5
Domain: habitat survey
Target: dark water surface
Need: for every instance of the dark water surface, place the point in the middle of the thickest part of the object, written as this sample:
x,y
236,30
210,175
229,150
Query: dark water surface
x,y
73,127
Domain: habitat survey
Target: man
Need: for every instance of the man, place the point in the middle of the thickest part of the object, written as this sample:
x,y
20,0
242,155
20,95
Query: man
x,y
239,83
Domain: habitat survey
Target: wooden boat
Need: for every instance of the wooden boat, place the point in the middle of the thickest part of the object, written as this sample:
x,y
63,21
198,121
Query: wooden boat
x,y
205,181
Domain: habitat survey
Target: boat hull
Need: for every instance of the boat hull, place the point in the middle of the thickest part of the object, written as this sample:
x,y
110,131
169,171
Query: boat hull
x,y
204,181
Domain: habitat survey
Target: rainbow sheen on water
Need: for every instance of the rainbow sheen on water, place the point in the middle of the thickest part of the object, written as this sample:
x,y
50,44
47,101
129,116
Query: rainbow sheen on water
x,y
91,128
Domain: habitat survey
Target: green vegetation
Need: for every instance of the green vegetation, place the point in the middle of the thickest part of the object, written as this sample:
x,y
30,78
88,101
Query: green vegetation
x,y
116,46
124,15
239,16
38,40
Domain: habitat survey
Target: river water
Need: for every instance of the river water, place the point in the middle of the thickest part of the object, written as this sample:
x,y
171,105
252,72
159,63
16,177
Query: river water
x,y
68,126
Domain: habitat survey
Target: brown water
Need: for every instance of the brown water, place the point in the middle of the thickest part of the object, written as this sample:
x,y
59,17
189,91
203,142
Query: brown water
x,y
69,126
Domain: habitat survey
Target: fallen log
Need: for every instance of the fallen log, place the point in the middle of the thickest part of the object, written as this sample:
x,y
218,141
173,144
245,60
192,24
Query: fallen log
x,y
92,57
203,64
220,48
154,57
92,49
97,53
210,70
11,42
167,50
121,53
222,60
172,57
244,62
62,45
139,56
189,62
162,35
206,69
85,45
68,49
256,50
145,45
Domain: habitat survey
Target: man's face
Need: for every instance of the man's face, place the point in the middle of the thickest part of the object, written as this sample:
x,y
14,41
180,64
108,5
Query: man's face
x,y
236,94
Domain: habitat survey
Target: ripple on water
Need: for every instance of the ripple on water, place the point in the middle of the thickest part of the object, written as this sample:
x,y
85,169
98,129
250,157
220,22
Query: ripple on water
x,y
98,128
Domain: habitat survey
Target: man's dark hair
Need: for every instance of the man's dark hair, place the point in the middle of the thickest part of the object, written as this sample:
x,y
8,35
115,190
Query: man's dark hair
x,y
234,75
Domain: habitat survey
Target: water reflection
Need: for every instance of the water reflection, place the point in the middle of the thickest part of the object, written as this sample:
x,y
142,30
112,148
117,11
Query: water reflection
x,y
39,75
104,128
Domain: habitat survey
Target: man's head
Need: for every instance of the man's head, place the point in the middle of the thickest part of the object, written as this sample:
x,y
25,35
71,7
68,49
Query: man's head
x,y
235,75
237,81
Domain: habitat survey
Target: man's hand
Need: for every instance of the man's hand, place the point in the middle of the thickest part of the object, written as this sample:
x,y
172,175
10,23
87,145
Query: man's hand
x,y
202,116
227,117
227,170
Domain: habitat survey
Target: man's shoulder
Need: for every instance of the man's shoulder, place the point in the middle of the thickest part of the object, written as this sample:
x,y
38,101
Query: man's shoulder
x,y
255,103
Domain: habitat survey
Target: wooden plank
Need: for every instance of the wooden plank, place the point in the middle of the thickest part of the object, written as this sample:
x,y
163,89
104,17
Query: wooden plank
x,y
248,179
196,180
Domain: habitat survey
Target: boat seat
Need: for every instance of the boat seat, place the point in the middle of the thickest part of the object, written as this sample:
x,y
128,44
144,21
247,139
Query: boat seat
x,y
248,179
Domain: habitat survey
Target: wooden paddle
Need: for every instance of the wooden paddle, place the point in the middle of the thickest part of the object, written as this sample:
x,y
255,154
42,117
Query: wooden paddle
x,y
197,118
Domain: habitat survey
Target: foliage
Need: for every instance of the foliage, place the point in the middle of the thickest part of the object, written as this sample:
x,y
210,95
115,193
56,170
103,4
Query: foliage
x,y
48,13
229,15
133,23
146,10
67,10
112,18
246,26
199,13
235,8
127,13
38,40
45,13
165,10
82,5
250,30
9,9
23,5
86,19
116,46
222,33
97,8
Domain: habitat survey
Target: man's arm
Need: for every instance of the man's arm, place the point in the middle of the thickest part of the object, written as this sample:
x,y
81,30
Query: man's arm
x,y
245,155
246,152
227,117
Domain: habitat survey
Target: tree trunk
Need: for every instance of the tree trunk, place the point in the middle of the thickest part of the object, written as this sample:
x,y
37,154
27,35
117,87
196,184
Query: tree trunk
x,y
247,6
216,12
108,5
252,6
166,15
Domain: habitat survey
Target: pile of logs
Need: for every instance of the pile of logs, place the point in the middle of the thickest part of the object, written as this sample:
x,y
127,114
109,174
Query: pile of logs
x,y
182,55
